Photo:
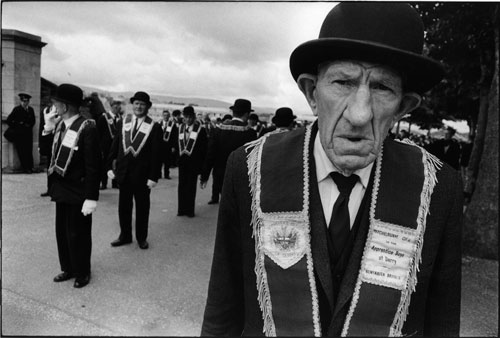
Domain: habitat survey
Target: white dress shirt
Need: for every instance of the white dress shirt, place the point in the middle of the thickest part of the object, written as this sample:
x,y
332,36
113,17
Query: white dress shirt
x,y
328,190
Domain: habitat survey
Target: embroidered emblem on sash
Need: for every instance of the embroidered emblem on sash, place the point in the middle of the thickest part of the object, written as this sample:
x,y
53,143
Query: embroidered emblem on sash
x,y
60,162
285,242
135,144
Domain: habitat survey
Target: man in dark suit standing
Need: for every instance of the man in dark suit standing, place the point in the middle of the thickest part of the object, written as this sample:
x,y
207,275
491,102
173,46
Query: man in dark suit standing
x,y
136,148
336,229
283,119
447,149
106,125
192,151
225,139
73,181
170,137
22,120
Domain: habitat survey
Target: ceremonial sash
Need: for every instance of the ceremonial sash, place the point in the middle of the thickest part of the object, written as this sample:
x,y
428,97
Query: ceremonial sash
x,y
280,219
232,127
187,147
60,162
168,130
134,144
111,124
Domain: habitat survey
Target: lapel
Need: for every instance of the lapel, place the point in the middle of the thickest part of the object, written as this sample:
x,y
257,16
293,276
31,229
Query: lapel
x,y
319,247
348,283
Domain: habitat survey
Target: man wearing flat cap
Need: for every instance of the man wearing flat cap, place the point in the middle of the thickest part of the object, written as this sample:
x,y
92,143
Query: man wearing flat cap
x,y
136,148
336,229
192,140
73,177
21,121
225,139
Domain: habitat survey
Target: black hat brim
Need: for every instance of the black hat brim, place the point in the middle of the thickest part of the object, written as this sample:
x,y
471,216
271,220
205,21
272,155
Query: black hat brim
x,y
420,73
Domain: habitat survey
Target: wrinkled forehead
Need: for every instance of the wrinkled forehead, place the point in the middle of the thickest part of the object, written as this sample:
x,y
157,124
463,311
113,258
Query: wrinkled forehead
x,y
356,68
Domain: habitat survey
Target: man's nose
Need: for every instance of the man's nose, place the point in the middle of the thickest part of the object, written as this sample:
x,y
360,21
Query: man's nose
x,y
359,109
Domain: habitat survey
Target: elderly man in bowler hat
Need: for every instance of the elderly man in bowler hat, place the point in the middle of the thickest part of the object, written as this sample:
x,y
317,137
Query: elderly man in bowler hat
x,y
336,229
137,149
73,176
192,139
224,140
21,121
283,119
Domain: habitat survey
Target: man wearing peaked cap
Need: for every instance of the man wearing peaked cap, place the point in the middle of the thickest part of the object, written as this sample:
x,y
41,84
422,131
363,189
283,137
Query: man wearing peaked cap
x,y
21,121
73,177
336,229
134,160
224,140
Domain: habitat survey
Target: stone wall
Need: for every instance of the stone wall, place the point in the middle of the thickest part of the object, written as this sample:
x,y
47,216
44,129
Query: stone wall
x,y
21,61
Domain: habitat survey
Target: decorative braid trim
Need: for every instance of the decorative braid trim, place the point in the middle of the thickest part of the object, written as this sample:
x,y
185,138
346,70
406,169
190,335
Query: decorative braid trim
x,y
431,165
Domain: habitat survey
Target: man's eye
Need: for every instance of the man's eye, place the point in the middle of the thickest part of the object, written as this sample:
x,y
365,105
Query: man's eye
x,y
380,86
342,82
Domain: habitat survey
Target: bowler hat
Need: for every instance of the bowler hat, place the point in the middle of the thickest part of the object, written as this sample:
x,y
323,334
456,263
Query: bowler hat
x,y
283,117
141,96
388,33
23,96
188,111
241,106
68,93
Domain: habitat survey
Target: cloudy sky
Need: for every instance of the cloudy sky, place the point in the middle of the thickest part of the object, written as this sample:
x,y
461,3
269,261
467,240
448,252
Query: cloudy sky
x,y
217,50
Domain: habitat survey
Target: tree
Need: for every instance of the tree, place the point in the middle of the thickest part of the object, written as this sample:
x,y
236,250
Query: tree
x,y
464,37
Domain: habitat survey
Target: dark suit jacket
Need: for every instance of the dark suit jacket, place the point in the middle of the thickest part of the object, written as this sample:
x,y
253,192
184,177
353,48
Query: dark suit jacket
x,y
22,122
82,177
451,155
195,162
146,165
105,137
232,307
221,144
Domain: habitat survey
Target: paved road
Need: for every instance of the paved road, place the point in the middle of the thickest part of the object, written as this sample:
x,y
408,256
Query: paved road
x,y
134,292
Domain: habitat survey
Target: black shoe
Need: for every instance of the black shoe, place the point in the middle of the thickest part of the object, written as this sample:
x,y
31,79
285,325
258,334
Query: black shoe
x,y
80,282
213,202
63,276
120,242
143,245
190,215
44,194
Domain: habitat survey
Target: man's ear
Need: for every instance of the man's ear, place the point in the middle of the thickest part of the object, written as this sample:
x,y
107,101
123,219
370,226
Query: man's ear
x,y
410,102
307,85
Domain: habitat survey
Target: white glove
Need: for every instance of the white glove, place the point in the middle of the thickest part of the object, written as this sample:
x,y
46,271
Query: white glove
x,y
89,207
51,118
111,174
151,184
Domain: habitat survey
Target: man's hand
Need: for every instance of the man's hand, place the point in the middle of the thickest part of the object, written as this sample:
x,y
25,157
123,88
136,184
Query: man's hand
x,y
89,207
51,118
203,184
111,174
151,184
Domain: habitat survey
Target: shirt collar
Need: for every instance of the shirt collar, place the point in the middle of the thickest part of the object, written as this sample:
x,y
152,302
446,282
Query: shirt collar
x,y
69,122
324,167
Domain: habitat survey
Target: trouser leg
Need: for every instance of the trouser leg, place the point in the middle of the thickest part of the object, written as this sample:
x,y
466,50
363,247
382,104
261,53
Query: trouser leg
x,y
125,205
142,206
62,218
79,231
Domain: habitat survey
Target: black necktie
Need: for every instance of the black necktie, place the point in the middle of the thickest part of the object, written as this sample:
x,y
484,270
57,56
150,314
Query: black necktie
x,y
135,128
60,136
340,225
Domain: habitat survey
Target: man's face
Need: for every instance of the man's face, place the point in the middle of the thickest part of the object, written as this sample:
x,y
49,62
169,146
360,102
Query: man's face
x,y
116,108
189,119
252,122
166,115
25,102
61,107
140,108
356,104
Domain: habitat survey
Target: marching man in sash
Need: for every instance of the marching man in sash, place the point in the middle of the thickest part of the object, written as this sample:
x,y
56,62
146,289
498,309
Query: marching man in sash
x,y
335,229
74,173
136,148
192,151
106,125
225,139
170,135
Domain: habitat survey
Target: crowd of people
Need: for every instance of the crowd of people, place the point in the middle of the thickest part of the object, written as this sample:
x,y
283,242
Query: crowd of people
x,y
328,229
